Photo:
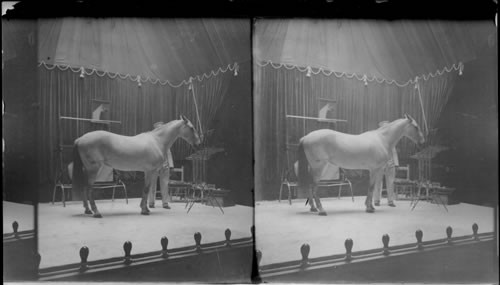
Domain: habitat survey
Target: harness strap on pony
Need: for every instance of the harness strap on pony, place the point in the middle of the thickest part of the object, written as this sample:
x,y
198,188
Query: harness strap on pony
x,y
417,86
195,104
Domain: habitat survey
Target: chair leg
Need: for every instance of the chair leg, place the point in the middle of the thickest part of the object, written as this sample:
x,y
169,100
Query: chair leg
x,y
63,196
113,195
350,188
125,190
54,194
289,195
340,190
281,189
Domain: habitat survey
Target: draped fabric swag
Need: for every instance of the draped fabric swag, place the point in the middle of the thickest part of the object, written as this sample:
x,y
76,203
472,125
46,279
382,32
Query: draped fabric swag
x,y
170,50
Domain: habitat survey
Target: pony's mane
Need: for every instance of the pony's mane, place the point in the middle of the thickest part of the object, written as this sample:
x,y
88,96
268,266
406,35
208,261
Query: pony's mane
x,y
390,123
162,126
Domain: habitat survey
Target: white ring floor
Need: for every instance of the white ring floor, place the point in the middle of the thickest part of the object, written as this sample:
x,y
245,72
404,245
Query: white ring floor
x,y
282,228
64,230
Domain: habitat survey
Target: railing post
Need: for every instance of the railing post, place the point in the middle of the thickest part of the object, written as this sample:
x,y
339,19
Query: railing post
x,y
227,234
197,239
475,228
15,227
385,241
304,251
164,245
258,255
449,232
419,235
84,254
38,259
348,249
127,247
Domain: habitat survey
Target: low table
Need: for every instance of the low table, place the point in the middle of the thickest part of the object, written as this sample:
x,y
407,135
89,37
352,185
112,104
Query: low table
x,y
439,195
205,193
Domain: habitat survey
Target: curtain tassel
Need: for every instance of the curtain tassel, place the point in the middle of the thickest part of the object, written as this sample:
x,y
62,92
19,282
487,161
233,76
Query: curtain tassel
x,y
309,71
82,72
365,80
139,81
236,67
460,68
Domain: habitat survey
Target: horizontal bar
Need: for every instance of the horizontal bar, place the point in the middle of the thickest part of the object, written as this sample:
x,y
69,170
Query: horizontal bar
x,y
91,120
101,101
327,99
316,118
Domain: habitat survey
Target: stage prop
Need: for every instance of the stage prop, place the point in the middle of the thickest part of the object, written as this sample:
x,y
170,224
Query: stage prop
x,y
468,258
404,187
105,179
177,187
434,191
199,161
20,259
207,194
229,260
201,191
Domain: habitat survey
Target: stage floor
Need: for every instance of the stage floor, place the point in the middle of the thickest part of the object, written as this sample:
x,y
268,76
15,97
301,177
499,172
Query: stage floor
x,y
22,213
281,228
64,230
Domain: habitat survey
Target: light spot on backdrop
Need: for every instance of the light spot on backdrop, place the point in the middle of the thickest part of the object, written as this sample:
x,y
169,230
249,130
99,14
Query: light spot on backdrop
x,y
8,5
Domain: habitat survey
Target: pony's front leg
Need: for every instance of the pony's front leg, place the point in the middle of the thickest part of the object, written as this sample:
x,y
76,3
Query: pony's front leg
x,y
374,175
322,212
144,201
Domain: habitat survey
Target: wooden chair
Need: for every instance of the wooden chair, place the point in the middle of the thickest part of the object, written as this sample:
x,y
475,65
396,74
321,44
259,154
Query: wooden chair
x,y
342,181
403,185
178,187
290,182
64,181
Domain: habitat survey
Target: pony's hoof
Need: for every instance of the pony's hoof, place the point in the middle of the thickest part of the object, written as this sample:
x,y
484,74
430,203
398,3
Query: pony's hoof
x,y
322,213
88,212
370,210
97,215
166,207
145,213
313,210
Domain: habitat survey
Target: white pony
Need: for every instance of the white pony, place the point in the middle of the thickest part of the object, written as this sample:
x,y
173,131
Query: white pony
x,y
370,150
143,152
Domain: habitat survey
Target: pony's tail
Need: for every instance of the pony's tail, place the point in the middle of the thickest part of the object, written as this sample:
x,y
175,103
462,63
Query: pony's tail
x,y
78,173
304,177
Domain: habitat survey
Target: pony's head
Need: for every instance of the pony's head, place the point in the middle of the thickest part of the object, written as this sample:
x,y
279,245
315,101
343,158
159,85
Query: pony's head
x,y
413,131
189,133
